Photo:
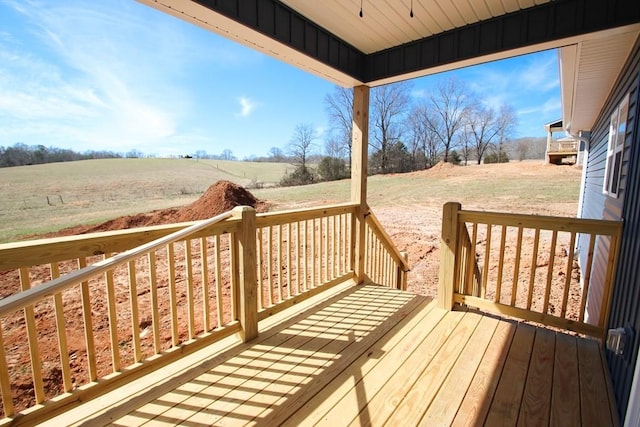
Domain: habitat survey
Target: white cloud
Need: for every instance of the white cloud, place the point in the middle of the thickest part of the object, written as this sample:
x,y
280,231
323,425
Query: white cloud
x,y
551,105
94,75
246,106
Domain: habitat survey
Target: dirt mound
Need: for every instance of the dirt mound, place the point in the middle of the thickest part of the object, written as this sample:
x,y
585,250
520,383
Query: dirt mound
x,y
220,197
442,165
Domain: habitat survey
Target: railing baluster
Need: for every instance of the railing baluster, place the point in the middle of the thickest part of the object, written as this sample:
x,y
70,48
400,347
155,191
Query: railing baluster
x,y
5,381
487,255
313,253
305,259
259,260
204,263
173,303
471,262
567,281
89,340
587,276
297,248
113,319
289,261
503,239
280,263
191,322
133,304
516,267
270,263
325,250
218,264
61,332
32,336
552,257
534,266
338,241
153,291
233,262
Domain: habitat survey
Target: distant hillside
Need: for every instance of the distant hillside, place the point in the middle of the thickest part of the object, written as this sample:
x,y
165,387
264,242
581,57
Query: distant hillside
x,y
47,197
526,148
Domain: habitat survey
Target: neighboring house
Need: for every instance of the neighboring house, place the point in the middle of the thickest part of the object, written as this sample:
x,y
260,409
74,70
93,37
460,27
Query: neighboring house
x,y
611,190
565,149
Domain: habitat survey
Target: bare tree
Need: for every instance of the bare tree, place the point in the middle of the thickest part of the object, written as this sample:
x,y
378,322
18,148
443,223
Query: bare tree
x,y
422,134
227,155
334,148
483,128
276,154
449,107
507,123
339,106
301,145
390,105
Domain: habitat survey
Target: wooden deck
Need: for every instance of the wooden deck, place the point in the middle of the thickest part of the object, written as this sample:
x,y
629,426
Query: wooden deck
x,y
370,355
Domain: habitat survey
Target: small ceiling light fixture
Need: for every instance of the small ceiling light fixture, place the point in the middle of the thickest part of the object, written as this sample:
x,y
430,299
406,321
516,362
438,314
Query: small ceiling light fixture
x,y
361,15
411,11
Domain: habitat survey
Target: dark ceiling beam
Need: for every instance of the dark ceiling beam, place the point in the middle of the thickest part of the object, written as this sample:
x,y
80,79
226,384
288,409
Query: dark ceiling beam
x,y
283,24
544,23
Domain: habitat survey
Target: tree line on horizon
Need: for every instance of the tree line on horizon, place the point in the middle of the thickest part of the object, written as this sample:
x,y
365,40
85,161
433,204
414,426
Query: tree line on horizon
x,y
408,133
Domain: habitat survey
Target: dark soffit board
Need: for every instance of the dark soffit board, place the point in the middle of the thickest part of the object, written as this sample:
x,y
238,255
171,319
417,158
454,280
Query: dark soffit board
x,y
535,25
283,24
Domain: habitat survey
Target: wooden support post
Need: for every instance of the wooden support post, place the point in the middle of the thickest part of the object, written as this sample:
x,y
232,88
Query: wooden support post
x,y
245,239
448,255
359,158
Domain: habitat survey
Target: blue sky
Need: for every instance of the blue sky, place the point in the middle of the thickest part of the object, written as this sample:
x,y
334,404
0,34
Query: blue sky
x,y
117,75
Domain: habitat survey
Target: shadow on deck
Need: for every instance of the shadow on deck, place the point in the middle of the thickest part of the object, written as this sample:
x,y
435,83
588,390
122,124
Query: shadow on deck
x,y
369,355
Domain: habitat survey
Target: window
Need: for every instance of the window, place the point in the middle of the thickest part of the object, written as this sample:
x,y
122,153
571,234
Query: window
x,y
615,149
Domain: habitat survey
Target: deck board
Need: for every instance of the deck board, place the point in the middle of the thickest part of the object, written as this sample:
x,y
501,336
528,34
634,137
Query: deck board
x,y
536,400
378,356
445,405
506,402
565,397
477,400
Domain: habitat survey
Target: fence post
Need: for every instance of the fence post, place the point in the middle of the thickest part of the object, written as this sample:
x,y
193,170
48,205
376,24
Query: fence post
x,y
247,271
448,254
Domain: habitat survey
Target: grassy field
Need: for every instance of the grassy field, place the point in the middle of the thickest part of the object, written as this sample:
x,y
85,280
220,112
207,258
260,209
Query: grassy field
x,y
44,198
527,187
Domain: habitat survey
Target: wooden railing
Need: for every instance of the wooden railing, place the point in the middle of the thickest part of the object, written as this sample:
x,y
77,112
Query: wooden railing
x,y
562,147
384,263
80,315
525,266
301,253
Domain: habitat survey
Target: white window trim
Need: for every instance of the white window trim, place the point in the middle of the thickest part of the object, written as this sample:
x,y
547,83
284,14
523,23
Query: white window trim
x,y
615,149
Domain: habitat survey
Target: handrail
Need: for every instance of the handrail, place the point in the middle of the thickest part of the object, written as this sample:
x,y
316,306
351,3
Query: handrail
x,y
293,215
384,237
23,299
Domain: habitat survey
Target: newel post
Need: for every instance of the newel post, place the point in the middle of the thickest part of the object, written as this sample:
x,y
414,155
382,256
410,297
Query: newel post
x,y
448,251
359,158
245,239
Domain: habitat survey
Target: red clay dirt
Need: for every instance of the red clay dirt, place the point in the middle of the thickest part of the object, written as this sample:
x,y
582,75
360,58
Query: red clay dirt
x,y
219,197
